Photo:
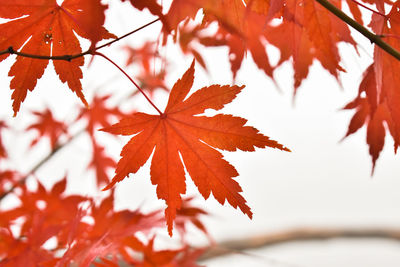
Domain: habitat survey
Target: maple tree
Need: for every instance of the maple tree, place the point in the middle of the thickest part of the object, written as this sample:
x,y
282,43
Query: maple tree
x,y
181,140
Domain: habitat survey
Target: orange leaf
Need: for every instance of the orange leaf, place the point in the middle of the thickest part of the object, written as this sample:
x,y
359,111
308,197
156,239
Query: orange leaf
x,y
100,163
99,114
146,54
50,30
381,104
180,137
151,5
47,126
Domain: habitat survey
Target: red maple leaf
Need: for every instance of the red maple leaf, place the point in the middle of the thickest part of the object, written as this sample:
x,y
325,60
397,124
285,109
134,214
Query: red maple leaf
x,y
46,214
109,233
99,114
178,132
47,126
377,103
53,206
188,36
27,250
240,29
157,258
151,5
151,82
101,163
307,32
47,29
184,256
190,214
146,53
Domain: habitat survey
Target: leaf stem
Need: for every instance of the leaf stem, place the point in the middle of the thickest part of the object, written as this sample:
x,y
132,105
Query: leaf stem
x,y
130,79
11,50
370,9
361,29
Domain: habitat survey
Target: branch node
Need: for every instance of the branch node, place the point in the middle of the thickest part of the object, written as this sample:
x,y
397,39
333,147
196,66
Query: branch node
x,y
11,50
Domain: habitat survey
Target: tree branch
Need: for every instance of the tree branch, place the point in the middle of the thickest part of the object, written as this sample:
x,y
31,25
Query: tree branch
x,y
11,50
302,234
361,29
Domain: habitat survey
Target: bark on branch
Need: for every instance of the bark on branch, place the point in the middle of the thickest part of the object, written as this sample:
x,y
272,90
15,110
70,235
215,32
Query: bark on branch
x,y
301,234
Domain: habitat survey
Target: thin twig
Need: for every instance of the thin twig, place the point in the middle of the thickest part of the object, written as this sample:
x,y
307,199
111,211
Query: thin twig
x,y
130,79
361,29
126,35
11,50
295,235
370,9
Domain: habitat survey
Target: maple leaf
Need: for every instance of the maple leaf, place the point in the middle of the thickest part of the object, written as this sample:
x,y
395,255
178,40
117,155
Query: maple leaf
x,y
378,102
386,69
151,5
101,163
313,32
179,133
148,78
52,205
157,258
47,126
267,7
371,114
189,257
355,11
28,251
179,11
187,36
240,29
46,214
152,257
99,114
48,29
229,13
151,82
189,214
367,113
109,233
146,53
308,32
184,256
